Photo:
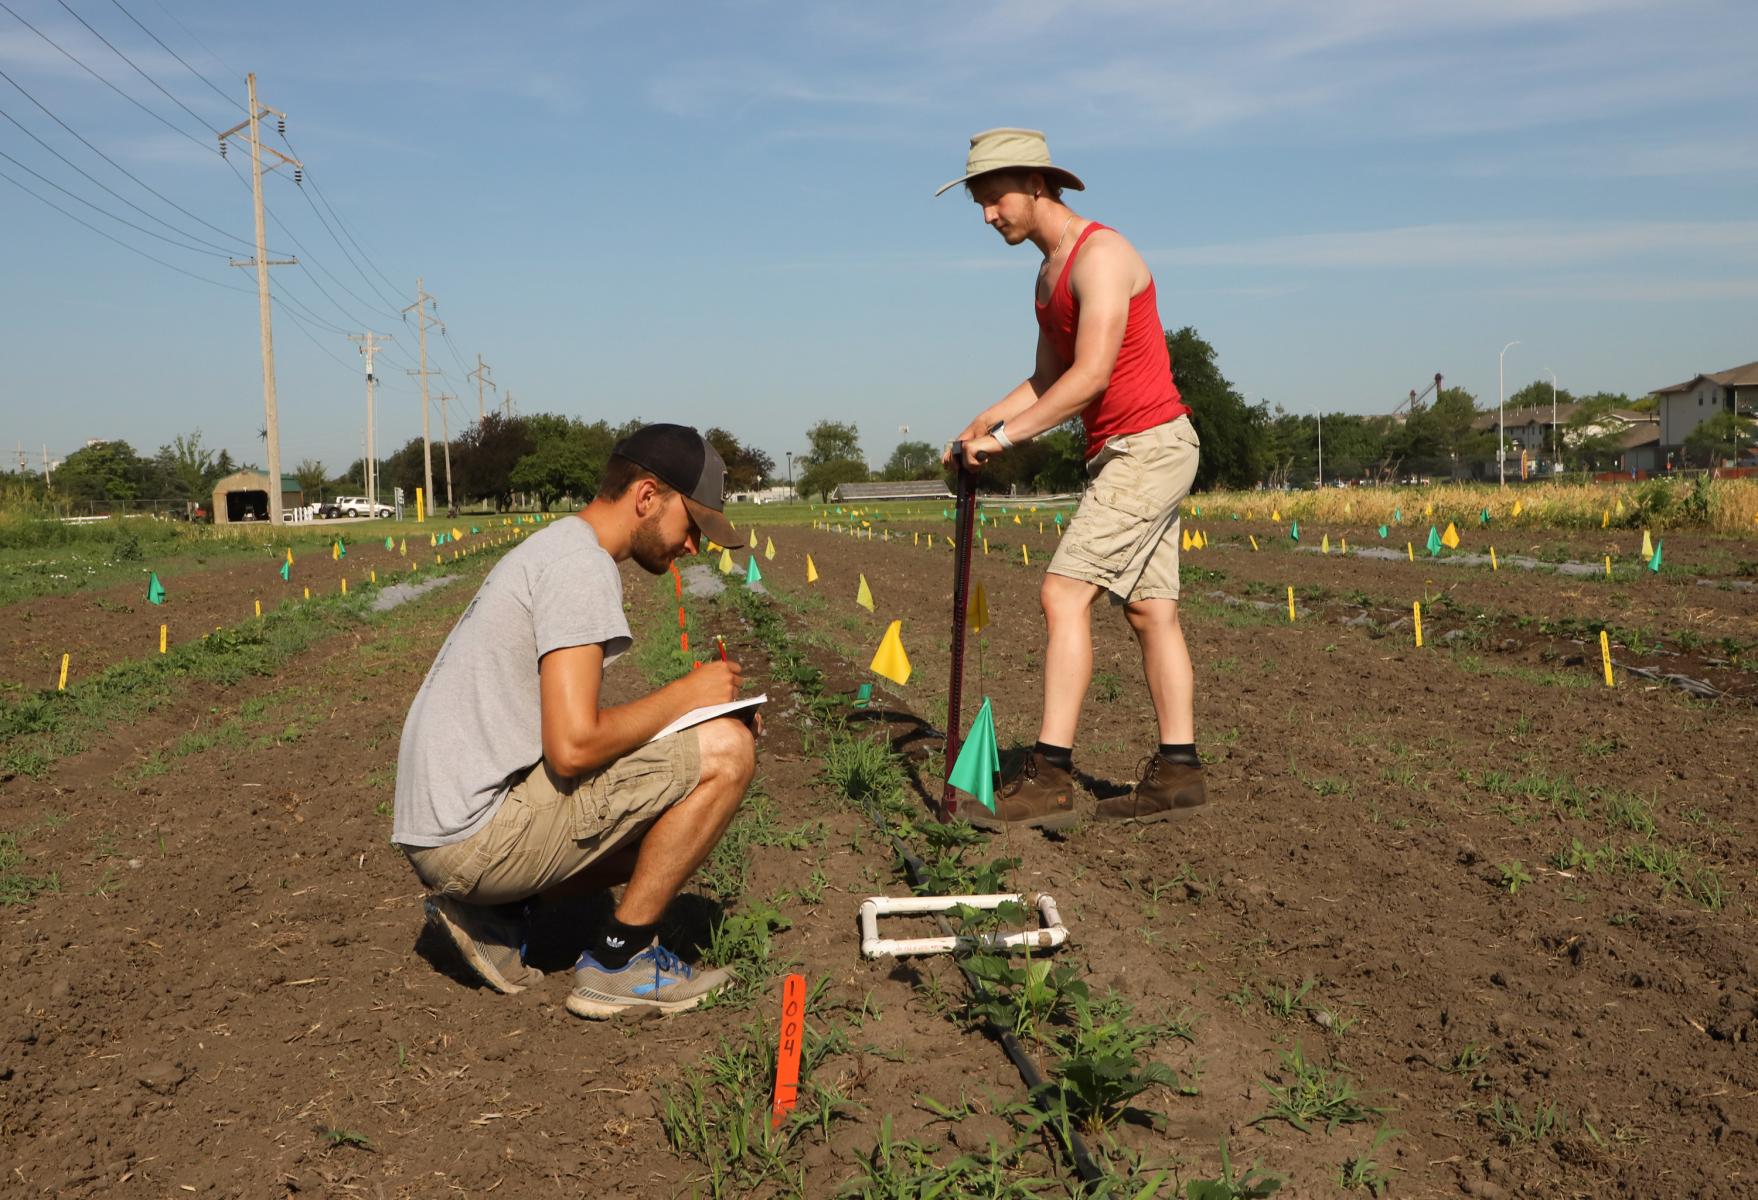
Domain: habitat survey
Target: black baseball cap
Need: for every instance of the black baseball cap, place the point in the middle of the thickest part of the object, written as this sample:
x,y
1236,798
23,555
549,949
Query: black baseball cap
x,y
684,460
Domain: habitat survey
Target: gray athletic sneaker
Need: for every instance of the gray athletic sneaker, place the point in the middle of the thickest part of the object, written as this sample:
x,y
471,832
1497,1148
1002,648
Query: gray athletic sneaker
x,y
655,980
489,943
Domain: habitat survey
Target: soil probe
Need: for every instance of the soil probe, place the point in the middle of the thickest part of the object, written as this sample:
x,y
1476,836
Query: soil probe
x,y
965,522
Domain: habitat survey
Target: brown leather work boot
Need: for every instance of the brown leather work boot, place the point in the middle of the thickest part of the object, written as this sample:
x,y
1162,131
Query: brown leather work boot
x,y
1167,789
1041,796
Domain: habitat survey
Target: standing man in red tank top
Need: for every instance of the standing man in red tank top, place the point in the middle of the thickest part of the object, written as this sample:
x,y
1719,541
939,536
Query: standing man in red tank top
x,y
1102,355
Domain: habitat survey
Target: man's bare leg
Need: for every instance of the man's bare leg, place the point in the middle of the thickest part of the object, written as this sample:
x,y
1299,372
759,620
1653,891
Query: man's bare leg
x,y
1165,660
1068,655
683,837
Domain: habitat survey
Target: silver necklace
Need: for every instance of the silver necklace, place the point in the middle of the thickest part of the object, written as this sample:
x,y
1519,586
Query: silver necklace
x,y
1065,226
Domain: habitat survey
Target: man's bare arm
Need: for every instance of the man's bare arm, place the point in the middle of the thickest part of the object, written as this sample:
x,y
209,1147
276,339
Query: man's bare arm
x,y
579,735
1045,372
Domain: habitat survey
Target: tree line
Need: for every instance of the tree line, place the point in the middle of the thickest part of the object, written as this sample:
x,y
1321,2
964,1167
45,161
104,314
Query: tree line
x,y
541,459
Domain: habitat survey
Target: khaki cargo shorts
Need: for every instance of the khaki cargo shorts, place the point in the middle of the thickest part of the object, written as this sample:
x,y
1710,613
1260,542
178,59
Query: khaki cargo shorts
x,y
1124,535
549,827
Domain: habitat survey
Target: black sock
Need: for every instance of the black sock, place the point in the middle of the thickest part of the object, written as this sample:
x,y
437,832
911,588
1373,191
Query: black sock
x,y
615,944
1056,756
1180,752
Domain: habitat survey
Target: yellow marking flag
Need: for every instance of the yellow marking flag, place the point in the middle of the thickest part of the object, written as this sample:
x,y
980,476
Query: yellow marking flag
x,y
769,549
811,570
1450,539
890,660
864,596
726,562
977,610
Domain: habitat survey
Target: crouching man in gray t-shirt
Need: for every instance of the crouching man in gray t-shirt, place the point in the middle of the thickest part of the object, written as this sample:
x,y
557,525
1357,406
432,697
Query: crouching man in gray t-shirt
x,y
514,779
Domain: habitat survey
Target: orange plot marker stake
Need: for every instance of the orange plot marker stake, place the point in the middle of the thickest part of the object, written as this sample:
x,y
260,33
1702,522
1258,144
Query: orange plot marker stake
x,y
787,1058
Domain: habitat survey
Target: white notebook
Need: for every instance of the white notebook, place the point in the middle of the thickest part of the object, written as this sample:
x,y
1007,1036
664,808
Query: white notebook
x,y
698,715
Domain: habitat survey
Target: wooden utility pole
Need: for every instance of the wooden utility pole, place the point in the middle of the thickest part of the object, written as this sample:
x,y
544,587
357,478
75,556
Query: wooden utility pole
x,y
507,403
369,342
482,374
262,264
423,320
446,439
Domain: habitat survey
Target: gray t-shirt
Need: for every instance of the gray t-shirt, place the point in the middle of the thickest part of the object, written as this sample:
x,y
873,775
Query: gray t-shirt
x,y
476,725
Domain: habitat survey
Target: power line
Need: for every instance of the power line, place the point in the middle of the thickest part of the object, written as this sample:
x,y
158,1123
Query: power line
x,y
233,100
112,237
199,119
211,247
343,226
46,111
327,229
174,128
106,212
196,39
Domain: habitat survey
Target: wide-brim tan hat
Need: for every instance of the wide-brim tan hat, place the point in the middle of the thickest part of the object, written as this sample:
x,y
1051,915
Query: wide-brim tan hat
x,y
1013,150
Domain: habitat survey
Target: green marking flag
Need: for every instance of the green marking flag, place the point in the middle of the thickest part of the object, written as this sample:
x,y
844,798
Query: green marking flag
x,y
1483,516
474,529
863,695
286,570
1434,540
389,544
341,548
1397,516
1294,530
752,574
156,590
1654,563
978,759
1383,531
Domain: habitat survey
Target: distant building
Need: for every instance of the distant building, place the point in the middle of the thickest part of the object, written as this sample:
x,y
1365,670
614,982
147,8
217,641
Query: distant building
x,y
1685,406
244,496
768,495
915,489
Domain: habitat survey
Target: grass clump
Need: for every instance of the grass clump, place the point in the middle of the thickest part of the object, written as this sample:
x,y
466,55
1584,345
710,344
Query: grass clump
x,y
1313,1095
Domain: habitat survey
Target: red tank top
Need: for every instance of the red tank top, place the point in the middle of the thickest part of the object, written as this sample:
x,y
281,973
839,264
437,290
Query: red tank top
x,y
1141,393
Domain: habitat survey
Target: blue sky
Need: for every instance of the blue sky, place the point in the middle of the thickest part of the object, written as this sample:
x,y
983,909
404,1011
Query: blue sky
x,y
723,213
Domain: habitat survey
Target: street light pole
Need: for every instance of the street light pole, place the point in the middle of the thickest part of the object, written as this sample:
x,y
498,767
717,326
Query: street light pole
x,y
790,467
1553,420
1501,415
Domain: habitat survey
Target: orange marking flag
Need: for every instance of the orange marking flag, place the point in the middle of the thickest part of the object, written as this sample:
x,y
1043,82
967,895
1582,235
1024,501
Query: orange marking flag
x,y
787,1059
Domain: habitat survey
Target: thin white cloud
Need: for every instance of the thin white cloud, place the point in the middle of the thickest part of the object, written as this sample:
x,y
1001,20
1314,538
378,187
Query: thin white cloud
x,y
1636,290
1504,244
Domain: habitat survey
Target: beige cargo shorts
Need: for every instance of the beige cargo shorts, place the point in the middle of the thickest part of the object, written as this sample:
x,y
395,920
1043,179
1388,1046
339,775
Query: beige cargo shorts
x,y
549,827
1124,535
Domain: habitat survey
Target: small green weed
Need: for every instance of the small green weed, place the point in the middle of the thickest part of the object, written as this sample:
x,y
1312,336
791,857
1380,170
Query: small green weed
x,y
1313,1095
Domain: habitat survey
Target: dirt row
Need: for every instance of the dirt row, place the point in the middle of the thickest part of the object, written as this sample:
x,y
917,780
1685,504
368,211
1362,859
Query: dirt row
x,y
229,993
101,627
1395,827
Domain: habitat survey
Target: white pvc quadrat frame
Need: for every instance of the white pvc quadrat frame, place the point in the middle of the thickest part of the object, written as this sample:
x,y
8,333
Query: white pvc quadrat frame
x,y
1050,933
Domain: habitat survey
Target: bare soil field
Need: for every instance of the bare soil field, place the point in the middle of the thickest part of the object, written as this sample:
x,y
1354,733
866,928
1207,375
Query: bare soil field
x,y
1464,893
